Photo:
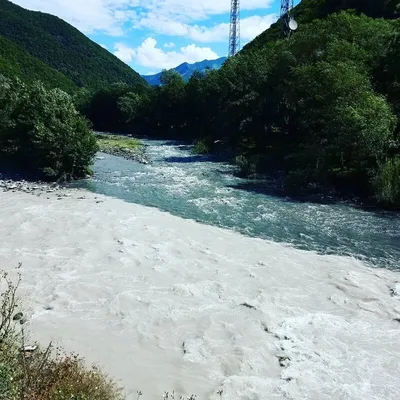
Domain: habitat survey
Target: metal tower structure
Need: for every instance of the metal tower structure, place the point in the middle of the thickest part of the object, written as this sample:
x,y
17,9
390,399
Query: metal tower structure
x,y
286,7
234,30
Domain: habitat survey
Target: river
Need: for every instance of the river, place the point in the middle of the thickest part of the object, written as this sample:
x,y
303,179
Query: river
x,y
161,302
202,189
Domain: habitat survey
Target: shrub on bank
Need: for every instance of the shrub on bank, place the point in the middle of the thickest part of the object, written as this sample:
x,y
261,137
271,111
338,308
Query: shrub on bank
x,y
42,133
247,167
201,147
387,183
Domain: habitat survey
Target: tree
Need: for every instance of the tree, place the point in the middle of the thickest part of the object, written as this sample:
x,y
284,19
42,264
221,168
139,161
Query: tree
x,y
42,132
387,182
168,105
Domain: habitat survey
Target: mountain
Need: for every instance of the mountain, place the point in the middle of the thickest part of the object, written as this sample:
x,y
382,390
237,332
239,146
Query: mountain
x,y
15,61
309,10
62,47
186,70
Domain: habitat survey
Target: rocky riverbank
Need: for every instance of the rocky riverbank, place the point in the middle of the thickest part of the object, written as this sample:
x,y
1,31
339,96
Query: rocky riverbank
x,y
41,189
32,187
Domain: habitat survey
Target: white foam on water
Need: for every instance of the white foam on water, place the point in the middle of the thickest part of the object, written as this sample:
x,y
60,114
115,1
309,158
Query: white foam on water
x,y
208,204
208,191
165,303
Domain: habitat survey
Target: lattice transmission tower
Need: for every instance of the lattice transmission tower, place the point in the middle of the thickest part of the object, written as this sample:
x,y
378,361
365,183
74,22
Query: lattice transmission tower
x,y
234,30
286,15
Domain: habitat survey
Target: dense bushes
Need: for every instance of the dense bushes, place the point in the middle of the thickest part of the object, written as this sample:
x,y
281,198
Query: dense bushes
x,y
42,133
387,182
201,147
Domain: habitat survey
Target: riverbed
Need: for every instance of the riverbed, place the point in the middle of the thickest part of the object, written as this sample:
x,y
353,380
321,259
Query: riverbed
x,y
282,307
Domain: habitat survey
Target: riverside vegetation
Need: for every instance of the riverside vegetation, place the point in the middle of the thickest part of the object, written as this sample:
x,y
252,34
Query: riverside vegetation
x,y
42,134
320,108
122,146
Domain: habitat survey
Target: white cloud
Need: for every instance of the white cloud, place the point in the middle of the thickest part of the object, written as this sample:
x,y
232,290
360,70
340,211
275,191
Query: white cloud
x,y
150,56
169,45
107,16
114,16
124,53
103,46
249,27
195,10
253,26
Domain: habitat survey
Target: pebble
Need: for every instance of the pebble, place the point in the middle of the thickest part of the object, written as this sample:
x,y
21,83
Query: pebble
x,y
34,188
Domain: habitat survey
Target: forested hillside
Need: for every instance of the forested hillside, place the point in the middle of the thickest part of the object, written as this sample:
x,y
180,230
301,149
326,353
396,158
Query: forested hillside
x,y
308,10
62,47
16,62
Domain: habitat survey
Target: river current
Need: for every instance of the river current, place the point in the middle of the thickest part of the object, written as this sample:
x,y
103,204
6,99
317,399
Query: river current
x,y
205,190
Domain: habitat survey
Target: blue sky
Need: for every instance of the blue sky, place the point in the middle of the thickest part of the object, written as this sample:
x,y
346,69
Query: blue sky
x,y
150,35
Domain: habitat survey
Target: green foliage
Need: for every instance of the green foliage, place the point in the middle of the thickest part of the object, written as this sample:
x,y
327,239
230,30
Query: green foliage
x,y
16,62
246,166
63,48
309,10
341,121
387,182
41,131
118,142
112,108
129,106
201,147
386,75
7,386
167,99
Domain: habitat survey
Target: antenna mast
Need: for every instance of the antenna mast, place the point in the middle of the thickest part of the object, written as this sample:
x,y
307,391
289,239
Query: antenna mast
x,y
234,31
286,16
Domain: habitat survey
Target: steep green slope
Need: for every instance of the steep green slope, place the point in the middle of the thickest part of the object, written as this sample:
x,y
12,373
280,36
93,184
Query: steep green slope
x,y
63,47
309,10
16,62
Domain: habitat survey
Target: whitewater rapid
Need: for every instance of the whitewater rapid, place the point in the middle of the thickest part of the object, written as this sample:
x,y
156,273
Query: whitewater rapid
x,y
204,189
165,303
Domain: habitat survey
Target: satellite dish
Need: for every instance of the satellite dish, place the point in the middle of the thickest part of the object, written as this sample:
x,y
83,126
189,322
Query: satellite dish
x,y
293,25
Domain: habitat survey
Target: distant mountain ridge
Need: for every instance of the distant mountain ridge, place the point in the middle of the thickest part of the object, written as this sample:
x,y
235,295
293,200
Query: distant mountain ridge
x,y
61,47
186,70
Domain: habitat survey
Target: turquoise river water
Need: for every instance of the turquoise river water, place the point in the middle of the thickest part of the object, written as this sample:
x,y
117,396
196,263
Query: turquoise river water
x,y
207,191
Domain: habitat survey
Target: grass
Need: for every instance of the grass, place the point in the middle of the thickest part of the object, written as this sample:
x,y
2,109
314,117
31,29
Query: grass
x,y
117,142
